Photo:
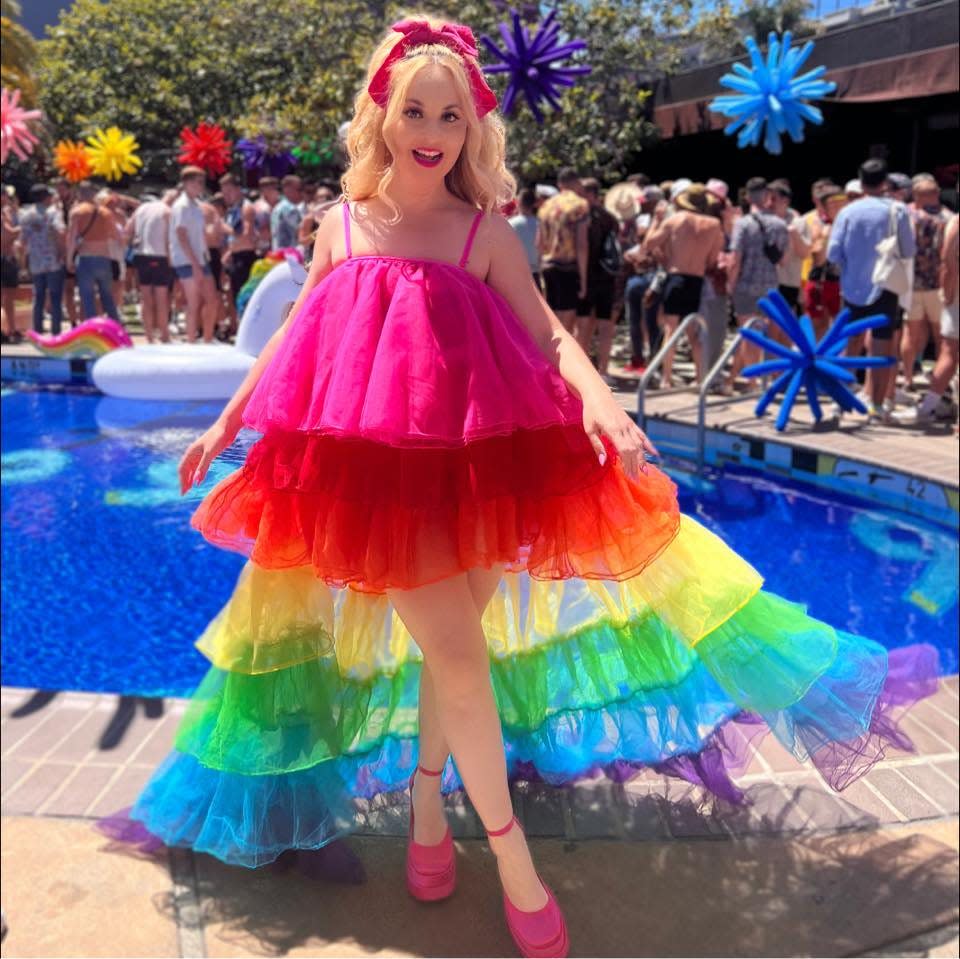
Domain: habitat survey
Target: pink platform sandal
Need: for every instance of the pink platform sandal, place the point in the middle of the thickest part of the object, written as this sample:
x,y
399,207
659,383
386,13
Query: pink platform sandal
x,y
542,933
431,870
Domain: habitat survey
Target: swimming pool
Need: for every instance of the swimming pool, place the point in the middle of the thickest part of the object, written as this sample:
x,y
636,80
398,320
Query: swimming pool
x,y
105,586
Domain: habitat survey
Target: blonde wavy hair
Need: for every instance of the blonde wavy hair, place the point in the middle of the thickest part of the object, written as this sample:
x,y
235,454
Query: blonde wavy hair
x,y
479,177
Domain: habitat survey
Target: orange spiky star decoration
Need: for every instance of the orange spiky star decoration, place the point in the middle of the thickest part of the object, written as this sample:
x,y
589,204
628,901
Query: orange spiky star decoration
x,y
72,161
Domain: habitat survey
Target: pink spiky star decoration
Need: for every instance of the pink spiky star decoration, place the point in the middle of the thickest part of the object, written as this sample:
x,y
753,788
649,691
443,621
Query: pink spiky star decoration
x,y
16,137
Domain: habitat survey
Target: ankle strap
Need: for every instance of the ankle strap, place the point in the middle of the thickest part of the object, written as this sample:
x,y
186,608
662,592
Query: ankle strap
x,y
500,832
429,772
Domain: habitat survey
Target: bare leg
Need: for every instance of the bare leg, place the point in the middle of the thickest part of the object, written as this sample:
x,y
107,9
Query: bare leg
x,y
895,353
162,312
668,324
209,307
876,385
191,293
446,626
148,312
914,343
604,343
946,367
429,820
585,328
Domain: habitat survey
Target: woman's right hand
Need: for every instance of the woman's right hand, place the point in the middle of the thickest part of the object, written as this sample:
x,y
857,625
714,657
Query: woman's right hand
x,y
203,451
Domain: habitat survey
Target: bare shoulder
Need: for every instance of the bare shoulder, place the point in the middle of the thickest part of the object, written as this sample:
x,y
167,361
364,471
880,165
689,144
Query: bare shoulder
x,y
497,230
503,252
328,239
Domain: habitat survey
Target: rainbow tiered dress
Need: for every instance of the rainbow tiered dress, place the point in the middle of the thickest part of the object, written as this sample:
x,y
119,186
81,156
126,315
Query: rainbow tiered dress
x,y
411,430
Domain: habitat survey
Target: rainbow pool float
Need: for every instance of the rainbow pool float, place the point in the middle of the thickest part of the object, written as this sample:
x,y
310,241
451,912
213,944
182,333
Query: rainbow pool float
x,y
91,338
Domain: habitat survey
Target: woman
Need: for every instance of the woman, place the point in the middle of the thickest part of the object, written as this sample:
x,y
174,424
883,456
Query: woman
x,y
456,546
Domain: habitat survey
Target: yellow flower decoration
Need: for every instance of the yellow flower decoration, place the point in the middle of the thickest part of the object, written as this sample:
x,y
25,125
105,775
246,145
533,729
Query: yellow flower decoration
x,y
72,161
111,153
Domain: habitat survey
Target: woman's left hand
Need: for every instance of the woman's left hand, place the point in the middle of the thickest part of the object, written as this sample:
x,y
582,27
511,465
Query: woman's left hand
x,y
603,416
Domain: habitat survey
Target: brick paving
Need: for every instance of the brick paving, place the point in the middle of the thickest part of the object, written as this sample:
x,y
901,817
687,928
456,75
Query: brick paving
x,y
88,755
869,871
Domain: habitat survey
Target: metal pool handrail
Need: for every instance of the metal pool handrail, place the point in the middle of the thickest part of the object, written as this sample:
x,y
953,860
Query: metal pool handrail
x,y
658,359
708,382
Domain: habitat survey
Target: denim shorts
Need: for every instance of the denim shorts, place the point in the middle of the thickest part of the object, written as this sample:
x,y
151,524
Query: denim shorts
x,y
186,272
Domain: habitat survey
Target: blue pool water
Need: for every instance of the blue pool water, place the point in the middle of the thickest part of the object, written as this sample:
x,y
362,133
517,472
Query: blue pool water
x,y
106,587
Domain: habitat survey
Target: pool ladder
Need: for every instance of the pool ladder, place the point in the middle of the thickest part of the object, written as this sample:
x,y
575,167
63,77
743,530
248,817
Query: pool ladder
x,y
715,371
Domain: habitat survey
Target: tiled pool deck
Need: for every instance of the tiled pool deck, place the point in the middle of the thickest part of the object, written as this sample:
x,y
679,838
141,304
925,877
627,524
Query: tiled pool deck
x,y
801,871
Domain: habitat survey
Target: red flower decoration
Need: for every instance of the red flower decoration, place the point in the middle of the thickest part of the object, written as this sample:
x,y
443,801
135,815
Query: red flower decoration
x,y
206,147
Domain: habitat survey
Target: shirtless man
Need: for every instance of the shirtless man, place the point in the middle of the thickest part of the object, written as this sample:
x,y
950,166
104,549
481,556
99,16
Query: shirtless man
x,y
242,239
269,187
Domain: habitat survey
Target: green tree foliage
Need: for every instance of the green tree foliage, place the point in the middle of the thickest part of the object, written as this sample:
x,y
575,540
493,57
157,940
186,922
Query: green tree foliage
x,y
152,66
778,16
18,53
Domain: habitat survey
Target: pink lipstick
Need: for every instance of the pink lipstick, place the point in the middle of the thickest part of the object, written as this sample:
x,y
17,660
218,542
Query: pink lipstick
x,y
427,158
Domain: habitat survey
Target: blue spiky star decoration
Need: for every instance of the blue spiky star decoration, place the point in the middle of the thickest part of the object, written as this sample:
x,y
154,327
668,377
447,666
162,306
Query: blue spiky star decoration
x,y
531,62
771,95
817,367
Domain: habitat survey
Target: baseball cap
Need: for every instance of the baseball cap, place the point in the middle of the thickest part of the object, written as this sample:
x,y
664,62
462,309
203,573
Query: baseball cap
x,y
826,190
899,181
782,187
652,194
679,186
853,186
718,188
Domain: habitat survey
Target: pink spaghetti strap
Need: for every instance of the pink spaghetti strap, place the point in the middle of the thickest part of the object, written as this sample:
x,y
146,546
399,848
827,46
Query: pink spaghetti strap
x,y
470,236
346,227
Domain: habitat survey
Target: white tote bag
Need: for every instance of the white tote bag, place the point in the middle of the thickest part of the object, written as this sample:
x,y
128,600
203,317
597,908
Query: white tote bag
x,y
892,270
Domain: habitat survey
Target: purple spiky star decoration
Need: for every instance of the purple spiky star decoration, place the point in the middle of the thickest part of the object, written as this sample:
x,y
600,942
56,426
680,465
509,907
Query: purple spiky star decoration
x,y
531,62
258,155
816,367
771,95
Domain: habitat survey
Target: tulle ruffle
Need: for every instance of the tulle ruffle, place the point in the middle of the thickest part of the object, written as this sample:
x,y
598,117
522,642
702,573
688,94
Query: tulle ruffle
x,y
408,353
248,779
374,517
309,713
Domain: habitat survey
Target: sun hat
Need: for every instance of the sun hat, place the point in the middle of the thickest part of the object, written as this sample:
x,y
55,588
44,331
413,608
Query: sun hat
x,y
623,201
693,199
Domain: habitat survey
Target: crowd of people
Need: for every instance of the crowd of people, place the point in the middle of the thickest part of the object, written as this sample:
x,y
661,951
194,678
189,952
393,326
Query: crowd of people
x,y
649,253
657,253
182,255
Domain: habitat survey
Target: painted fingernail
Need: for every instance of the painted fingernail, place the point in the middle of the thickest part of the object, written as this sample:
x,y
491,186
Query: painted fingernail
x,y
603,458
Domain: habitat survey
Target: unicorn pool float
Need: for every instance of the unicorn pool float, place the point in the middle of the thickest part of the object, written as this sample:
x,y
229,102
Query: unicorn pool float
x,y
91,338
208,371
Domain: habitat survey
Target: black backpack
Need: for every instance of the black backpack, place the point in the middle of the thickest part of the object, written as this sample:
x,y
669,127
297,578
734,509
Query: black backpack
x,y
611,256
770,250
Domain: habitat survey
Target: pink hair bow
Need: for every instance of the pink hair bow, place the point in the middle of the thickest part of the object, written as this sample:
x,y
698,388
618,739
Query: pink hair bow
x,y
453,35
